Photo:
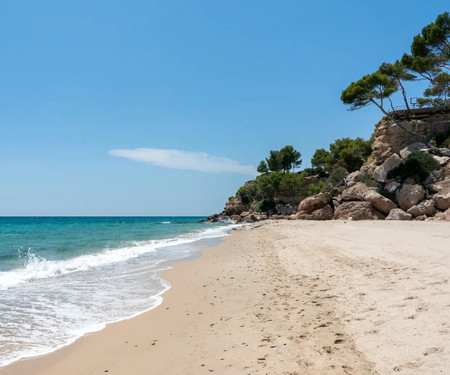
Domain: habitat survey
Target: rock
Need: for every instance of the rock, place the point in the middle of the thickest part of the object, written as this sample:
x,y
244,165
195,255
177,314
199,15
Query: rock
x,y
357,211
392,186
380,174
336,203
352,178
213,218
439,186
298,216
324,213
398,214
355,193
443,216
234,206
433,177
442,160
390,137
235,218
443,151
420,218
413,147
446,170
285,209
380,202
442,199
423,208
409,195
244,214
313,203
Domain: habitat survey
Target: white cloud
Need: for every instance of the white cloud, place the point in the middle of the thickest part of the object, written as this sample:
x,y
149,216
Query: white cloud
x,y
177,159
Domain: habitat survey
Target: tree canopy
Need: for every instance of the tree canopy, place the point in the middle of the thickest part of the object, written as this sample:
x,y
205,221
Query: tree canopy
x,y
285,159
429,59
346,153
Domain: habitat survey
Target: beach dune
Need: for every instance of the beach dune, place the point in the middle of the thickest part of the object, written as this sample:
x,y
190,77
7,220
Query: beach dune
x,y
287,297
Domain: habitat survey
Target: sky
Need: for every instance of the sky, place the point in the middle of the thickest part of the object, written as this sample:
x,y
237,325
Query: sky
x,y
166,107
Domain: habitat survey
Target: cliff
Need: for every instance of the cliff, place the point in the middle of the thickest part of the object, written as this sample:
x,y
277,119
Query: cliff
x,y
407,178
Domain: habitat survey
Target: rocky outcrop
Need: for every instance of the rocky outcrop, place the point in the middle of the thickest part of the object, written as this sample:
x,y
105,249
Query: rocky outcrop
x,y
357,211
234,206
413,147
372,192
391,138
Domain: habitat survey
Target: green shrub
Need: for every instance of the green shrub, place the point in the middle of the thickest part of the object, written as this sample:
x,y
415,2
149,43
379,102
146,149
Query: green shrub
x,y
247,193
337,176
291,184
318,187
417,166
265,205
443,139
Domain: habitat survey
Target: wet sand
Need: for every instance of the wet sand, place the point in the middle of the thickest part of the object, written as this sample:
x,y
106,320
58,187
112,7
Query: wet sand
x,y
287,297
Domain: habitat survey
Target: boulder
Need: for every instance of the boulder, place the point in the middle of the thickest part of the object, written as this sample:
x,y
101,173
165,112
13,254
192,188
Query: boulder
x,y
413,147
357,211
398,214
409,195
313,203
324,213
244,214
443,216
423,208
434,177
234,206
355,193
380,202
352,178
442,160
235,218
442,199
381,172
439,186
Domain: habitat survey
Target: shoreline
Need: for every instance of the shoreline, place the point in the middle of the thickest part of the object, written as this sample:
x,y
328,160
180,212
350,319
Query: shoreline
x,y
195,249
286,297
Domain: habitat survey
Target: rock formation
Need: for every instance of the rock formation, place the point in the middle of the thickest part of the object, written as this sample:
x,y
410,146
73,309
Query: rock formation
x,y
388,196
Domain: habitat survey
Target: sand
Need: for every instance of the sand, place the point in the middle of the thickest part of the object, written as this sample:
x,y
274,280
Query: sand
x,y
288,297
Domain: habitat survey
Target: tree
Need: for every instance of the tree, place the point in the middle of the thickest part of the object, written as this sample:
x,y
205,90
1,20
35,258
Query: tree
x,y
370,89
399,73
430,55
273,161
289,158
263,167
440,88
322,160
350,153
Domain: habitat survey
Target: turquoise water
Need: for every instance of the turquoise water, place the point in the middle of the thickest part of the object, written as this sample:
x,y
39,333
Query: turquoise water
x,y
61,277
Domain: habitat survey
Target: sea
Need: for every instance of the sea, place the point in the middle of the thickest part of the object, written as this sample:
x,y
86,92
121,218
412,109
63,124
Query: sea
x,y
63,277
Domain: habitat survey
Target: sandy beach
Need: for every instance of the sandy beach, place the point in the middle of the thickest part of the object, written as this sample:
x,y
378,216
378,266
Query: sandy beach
x,y
287,297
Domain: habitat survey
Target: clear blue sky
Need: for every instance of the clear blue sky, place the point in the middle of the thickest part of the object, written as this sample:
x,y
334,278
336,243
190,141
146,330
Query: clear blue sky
x,y
232,79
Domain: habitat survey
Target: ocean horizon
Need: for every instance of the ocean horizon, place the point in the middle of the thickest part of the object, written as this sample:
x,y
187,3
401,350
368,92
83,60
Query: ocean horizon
x,y
64,276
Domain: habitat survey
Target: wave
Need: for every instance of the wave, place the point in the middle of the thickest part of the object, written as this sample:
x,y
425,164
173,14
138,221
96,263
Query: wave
x,y
36,267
